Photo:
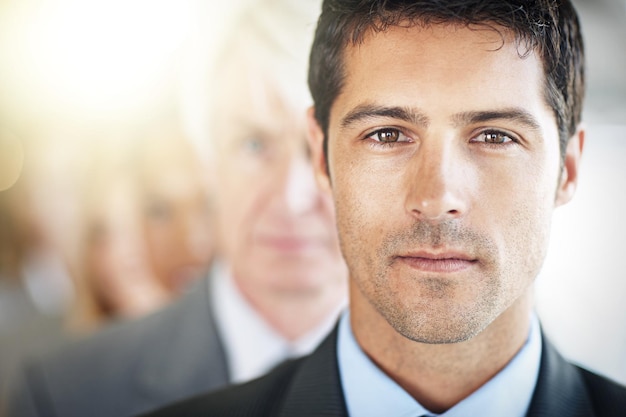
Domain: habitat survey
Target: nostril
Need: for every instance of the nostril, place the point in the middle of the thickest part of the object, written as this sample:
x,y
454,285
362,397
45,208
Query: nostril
x,y
446,205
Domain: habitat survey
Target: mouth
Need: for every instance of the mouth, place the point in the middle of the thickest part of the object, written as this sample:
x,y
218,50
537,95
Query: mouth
x,y
439,262
288,243
183,276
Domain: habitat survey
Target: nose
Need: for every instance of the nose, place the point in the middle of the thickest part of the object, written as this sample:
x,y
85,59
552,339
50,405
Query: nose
x,y
196,239
438,183
300,188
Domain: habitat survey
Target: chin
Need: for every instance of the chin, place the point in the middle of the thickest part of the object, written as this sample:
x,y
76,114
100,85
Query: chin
x,y
299,282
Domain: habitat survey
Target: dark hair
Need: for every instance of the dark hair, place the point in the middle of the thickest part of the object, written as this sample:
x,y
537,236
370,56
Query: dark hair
x,y
550,27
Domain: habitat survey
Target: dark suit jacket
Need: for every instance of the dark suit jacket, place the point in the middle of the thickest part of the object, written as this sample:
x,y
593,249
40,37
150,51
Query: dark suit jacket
x,y
311,387
128,368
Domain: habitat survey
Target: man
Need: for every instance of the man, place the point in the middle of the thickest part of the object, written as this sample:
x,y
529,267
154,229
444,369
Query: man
x,y
447,132
279,281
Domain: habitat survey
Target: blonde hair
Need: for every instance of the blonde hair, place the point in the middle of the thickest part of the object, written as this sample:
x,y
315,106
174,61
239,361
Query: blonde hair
x,y
271,38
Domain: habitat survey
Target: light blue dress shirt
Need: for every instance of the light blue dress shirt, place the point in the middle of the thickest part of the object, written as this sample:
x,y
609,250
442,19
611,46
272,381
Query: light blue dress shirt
x,y
369,392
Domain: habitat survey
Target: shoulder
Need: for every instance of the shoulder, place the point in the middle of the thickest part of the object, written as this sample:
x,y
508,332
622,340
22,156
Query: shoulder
x,y
163,355
120,343
65,378
305,387
566,389
261,397
607,396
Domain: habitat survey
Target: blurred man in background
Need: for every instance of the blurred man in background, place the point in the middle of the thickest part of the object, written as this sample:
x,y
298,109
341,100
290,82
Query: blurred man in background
x,y
278,282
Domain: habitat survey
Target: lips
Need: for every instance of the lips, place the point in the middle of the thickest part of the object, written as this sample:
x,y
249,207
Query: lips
x,y
182,276
440,262
288,243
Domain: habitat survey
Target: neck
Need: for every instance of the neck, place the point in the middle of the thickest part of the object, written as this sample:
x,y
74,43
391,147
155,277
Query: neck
x,y
439,376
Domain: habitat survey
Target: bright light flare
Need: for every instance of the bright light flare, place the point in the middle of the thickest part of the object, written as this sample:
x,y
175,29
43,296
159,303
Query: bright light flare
x,y
112,55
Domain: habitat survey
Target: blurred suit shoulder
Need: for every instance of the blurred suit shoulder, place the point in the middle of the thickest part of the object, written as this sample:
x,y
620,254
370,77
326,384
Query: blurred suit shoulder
x,y
129,367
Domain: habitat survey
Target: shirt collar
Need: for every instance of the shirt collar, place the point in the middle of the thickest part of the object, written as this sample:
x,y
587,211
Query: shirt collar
x,y
370,392
252,346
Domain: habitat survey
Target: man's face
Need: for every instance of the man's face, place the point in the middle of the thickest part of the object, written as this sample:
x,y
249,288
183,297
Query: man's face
x,y
444,166
177,218
276,228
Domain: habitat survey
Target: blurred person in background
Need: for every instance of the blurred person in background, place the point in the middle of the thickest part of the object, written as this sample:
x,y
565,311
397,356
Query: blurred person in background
x,y
109,266
177,213
278,281
146,226
141,233
36,231
39,212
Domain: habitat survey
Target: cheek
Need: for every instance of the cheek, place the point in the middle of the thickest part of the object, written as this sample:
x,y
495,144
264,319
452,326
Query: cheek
x,y
238,206
230,206
370,189
514,191
160,237
328,213
365,205
519,217
99,262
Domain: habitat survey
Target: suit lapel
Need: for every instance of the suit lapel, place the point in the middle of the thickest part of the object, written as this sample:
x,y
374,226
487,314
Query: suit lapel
x,y
316,387
560,389
188,356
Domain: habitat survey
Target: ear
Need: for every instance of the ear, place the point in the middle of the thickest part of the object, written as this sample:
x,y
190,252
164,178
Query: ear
x,y
571,166
316,144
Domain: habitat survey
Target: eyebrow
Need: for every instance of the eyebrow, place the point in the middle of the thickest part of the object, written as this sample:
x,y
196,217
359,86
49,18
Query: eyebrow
x,y
417,117
368,111
514,114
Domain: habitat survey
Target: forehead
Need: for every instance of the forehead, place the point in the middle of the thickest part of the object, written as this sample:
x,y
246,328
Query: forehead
x,y
475,66
170,166
257,80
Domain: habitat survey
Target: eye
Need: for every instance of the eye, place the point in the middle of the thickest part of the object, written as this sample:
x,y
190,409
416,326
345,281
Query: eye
x,y
97,234
494,137
159,210
253,145
388,135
